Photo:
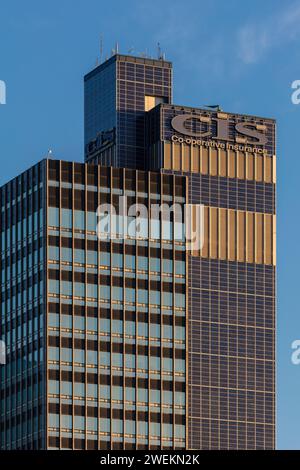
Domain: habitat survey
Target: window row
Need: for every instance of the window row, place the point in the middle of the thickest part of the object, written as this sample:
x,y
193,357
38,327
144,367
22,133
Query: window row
x,y
117,426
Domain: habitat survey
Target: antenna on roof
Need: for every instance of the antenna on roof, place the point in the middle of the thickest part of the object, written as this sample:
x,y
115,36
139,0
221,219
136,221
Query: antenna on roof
x,y
130,50
101,48
158,51
115,50
160,54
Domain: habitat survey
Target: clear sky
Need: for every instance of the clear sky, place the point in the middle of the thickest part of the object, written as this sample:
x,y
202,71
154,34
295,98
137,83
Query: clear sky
x,y
241,55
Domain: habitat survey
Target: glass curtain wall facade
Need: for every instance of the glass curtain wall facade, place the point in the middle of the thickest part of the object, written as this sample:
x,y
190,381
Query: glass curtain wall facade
x,y
106,362
231,289
118,94
231,283
23,306
137,342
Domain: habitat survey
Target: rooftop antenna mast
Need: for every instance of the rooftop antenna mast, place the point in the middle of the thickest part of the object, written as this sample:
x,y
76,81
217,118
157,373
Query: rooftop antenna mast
x,y
115,50
101,48
160,54
158,51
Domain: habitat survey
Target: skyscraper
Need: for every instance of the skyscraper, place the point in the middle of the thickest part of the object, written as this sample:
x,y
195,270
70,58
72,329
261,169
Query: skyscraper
x,y
118,94
94,327
142,342
230,162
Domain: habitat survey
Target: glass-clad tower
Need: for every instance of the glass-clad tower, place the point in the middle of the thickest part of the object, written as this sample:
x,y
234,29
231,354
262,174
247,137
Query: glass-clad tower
x,y
141,341
94,327
23,307
118,94
230,164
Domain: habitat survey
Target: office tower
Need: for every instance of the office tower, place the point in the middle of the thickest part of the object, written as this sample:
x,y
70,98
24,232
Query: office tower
x,y
142,341
230,162
118,93
94,326
23,306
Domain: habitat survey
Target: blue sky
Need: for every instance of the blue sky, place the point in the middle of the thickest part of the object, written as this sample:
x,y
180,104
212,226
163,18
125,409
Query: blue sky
x,y
242,55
